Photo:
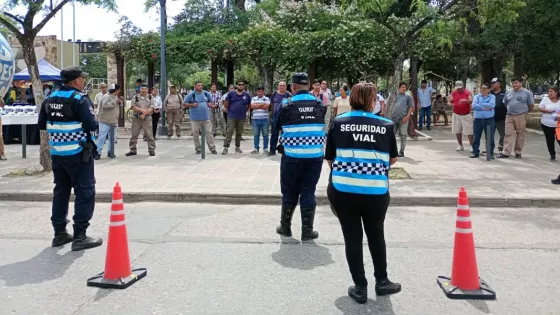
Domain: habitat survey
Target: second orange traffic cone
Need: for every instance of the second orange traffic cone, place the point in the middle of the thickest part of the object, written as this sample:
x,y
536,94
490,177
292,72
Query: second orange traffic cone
x,y
118,272
464,282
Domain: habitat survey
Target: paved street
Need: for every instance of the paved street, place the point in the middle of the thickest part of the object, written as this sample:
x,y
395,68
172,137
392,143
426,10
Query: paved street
x,y
224,259
437,171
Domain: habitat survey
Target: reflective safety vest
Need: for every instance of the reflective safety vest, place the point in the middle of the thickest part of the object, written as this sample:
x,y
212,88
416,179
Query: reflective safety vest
x,y
63,125
362,166
303,126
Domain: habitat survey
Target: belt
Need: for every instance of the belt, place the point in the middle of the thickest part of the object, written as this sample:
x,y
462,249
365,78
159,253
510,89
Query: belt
x,y
462,114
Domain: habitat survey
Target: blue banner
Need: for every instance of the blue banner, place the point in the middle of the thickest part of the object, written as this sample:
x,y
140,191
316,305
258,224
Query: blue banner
x,y
7,65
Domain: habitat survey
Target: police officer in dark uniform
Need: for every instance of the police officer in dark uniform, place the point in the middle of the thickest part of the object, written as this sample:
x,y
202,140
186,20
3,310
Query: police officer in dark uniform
x,y
69,119
361,147
301,120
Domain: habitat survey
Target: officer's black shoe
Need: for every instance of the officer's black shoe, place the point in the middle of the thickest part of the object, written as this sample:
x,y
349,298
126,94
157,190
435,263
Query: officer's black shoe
x,y
358,293
286,221
81,241
307,216
130,153
61,239
111,156
386,287
152,153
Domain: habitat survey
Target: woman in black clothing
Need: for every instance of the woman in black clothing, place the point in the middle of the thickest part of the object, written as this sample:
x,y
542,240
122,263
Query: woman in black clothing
x,y
361,147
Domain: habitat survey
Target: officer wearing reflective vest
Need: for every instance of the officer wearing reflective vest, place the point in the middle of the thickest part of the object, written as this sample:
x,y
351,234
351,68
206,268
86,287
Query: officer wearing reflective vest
x,y
69,119
361,147
301,120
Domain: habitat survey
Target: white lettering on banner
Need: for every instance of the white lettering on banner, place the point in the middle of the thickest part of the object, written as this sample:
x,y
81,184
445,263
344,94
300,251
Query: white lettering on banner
x,y
306,109
5,72
363,137
363,128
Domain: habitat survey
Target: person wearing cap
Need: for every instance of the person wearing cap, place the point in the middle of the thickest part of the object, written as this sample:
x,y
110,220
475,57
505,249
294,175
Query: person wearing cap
x,y
302,122
98,97
173,106
361,147
143,107
462,120
108,119
500,112
199,102
519,102
69,118
260,105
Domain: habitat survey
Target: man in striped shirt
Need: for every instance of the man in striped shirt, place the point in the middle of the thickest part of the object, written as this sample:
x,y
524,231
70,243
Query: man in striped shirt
x,y
260,105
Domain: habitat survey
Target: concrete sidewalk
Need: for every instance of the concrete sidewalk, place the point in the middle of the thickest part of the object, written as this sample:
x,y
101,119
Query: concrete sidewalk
x,y
176,173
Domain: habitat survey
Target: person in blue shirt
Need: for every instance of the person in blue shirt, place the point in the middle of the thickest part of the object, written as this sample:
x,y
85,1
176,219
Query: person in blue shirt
x,y
425,104
484,105
199,101
68,117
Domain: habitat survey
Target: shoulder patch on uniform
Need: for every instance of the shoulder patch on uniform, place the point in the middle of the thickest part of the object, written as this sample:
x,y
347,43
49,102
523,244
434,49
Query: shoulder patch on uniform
x,y
286,102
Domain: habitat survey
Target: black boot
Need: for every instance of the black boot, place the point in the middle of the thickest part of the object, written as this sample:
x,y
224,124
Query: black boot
x,y
307,216
81,241
358,293
286,221
385,287
61,238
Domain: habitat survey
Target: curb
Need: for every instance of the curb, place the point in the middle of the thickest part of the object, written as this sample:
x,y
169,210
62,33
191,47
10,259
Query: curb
x,y
276,199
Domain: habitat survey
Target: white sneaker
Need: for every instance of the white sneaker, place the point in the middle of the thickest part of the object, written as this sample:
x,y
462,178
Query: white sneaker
x,y
460,148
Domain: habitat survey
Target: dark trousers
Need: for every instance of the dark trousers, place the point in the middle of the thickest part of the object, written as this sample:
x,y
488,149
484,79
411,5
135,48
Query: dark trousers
x,y
274,133
353,210
501,128
479,126
155,120
425,111
550,136
225,118
70,172
298,180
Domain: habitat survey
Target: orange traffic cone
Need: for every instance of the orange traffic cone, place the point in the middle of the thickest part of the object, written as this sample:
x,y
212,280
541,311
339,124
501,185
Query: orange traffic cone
x,y
118,273
464,282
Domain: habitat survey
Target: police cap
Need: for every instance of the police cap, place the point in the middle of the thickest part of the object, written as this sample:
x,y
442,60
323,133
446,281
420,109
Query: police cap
x,y
300,78
71,74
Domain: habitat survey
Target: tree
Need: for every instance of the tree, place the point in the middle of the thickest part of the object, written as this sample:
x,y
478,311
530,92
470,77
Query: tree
x,y
26,37
95,64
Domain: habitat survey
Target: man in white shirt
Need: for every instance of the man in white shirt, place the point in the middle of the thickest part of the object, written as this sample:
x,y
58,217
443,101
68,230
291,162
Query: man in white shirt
x,y
379,108
260,105
99,97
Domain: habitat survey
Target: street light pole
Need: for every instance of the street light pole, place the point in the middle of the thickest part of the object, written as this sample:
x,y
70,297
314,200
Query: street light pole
x,y
73,32
61,38
163,70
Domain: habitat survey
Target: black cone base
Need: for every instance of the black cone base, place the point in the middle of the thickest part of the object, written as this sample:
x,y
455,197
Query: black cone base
x,y
453,292
122,283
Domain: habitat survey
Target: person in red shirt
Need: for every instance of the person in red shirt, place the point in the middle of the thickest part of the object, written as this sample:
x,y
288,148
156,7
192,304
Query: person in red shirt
x,y
462,120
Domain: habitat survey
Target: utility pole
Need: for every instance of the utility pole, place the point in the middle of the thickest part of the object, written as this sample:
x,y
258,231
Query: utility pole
x,y
61,38
163,70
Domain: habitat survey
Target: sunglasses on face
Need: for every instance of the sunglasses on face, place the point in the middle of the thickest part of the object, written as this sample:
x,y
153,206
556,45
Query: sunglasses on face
x,y
240,84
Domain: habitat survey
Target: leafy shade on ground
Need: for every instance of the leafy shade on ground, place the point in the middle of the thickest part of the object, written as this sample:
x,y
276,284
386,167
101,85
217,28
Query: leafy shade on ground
x,y
398,173
22,172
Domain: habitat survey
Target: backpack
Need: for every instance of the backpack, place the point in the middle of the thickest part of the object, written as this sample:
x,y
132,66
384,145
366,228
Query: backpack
x,y
136,98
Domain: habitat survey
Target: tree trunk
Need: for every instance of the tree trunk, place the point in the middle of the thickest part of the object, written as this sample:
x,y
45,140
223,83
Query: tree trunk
x,y
229,71
267,79
414,91
518,65
491,68
151,74
121,81
31,62
214,71
312,72
394,86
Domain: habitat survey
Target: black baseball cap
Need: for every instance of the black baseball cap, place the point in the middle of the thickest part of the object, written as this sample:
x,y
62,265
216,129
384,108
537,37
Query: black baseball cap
x,y
496,80
300,78
71,74
260,88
